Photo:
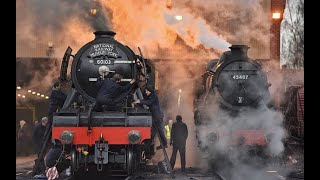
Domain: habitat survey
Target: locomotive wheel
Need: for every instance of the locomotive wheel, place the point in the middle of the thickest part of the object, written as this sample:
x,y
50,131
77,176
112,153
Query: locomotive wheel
x,y
74,161
130,161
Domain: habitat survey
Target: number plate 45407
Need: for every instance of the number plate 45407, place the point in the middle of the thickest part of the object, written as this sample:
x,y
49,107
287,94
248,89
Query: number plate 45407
x,y
240,76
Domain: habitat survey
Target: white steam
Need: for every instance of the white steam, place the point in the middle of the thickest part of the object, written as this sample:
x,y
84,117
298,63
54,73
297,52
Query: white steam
x,y
195,30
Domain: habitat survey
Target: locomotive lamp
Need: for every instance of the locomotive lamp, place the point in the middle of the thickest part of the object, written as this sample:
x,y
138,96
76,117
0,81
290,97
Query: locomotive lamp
x,y
66,137
134,137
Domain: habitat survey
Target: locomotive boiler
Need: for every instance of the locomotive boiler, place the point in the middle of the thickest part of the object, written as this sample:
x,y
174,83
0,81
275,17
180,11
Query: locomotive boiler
x,y
107,140
230,88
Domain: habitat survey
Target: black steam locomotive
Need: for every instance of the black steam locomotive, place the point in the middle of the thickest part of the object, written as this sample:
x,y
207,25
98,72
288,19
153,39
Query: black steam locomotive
x,y
107,140
232,85
236,80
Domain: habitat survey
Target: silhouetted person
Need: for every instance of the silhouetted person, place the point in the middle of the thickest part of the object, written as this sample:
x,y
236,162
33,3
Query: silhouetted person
x,y
179,134
109,90
24,139
56,99
152,101
38,134
37,137
36,122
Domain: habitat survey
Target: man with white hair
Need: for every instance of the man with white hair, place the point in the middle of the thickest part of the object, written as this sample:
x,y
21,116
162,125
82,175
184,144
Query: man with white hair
x,y
23,138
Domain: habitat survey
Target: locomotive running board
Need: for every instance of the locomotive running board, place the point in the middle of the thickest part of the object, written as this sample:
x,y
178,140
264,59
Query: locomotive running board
x,y
102,119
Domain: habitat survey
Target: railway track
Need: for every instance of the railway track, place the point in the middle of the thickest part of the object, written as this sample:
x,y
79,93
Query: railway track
x,y
275,173
151,175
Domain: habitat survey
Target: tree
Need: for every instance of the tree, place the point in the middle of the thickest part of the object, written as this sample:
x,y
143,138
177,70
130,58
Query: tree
x,y
292,35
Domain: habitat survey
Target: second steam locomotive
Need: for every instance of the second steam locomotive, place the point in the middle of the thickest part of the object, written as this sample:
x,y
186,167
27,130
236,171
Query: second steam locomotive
x,y
232,87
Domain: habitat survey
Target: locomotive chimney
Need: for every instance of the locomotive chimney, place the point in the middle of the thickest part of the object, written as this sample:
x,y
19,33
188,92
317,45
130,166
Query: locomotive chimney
x,y
239,50
104,34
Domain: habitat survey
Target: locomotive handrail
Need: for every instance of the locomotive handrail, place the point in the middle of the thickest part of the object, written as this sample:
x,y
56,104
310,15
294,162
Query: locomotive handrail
x,y
144,63
64,65
144,67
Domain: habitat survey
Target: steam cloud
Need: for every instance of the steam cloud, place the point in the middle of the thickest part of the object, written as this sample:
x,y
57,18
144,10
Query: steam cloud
x,y
62,23
201,34
222,153
245,166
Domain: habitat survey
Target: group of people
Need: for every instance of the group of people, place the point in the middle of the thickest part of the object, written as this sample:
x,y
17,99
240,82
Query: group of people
x,y
57,99
30,134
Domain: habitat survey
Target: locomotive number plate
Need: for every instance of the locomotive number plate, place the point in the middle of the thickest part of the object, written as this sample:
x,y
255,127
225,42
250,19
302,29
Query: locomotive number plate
x,y
240,76
103,62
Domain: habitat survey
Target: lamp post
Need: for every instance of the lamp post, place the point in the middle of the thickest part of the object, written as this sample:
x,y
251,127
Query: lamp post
x,y
179,100
276,15
277,9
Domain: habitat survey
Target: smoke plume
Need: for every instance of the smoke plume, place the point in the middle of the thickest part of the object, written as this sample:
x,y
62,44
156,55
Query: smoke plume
x,y
59,23
205,28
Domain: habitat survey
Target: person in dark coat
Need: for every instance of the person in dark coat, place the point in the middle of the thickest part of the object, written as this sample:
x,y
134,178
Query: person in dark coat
x,y
38,134
37,137
56,99
109,90
178,138
152,101
36,122
23,139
